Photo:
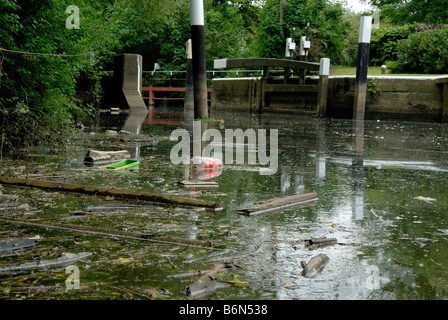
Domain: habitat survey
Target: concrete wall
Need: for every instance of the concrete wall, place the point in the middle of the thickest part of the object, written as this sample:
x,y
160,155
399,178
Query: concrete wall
x,y
236,94
389,97
128,75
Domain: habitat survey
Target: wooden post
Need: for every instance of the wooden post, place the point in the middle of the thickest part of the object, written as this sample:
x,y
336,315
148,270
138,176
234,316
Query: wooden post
x,y
324,72
290,47
189,90
288,55
199,66
359,104
304,46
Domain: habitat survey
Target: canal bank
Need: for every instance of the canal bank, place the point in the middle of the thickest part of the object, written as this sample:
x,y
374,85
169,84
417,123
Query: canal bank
x,y
413,98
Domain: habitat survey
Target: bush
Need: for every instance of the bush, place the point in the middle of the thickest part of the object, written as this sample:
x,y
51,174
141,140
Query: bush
x,y
383,43
40,63
424,52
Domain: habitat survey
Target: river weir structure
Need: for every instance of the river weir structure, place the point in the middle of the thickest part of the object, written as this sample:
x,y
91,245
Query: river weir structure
x,y
414,98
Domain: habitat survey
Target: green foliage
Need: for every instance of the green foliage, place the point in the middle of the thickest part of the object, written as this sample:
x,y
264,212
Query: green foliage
x,y
162,37
328,30
424,52
411,11
383,43
38,80
269,42
372,87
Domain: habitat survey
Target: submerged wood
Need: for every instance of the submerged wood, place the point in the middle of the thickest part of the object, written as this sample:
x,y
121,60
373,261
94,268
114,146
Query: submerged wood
x,y
315,265
206,284
320,242
15,244
95,156
162,239
111,192
277,205
65,259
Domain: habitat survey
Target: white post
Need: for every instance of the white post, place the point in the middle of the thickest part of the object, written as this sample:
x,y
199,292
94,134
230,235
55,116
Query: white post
x,y
359,104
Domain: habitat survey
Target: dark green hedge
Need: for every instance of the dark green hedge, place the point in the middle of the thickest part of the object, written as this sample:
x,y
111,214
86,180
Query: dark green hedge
x,y
424,52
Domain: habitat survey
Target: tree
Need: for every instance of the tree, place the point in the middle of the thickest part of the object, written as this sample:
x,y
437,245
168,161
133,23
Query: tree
x,y
328,30
40,61
229,30
410,11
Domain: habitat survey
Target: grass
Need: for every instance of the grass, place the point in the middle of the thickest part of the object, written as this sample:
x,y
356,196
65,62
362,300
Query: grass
x,y
373,71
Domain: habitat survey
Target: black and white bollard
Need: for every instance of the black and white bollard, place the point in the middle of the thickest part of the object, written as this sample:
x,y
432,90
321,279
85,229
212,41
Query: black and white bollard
x,y
198,59
359,105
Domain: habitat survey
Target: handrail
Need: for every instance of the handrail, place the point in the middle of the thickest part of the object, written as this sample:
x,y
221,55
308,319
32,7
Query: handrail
x,y
264,62
209,71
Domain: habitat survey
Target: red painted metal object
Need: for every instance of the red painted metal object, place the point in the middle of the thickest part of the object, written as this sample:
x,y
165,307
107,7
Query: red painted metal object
x,y
152,97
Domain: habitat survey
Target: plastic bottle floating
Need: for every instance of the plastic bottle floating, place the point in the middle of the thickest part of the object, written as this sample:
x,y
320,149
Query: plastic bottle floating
x,y
202,163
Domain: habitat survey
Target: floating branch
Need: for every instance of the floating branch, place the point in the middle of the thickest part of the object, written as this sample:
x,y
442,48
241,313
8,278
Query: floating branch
x,y
95,156
114,233
110,192
67,258
277,205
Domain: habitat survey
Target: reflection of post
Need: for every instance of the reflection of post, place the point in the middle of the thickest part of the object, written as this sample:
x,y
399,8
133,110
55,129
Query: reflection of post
x,y
199,128
192,232
134,121
299,186
359,104
188,125
321,157
133,125
285,180
358,171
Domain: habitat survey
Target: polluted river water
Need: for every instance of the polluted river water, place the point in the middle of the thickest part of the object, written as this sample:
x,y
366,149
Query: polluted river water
x,y
381,195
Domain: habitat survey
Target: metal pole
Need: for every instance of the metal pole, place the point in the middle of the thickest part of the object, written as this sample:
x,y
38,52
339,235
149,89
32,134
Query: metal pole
x,y
198,65
304,53
359,104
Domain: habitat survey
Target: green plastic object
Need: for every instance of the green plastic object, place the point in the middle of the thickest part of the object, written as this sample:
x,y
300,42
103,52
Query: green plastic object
x,y
124,164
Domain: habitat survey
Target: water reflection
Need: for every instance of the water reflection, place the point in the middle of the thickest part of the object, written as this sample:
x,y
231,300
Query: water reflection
x,y
356,167
134,122
358,171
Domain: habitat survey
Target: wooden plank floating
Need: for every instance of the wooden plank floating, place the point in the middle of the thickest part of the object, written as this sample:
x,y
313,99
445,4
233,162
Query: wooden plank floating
x,y
281,204
15,244
320,242
115,233
95,156
198,184
65,259
110,192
